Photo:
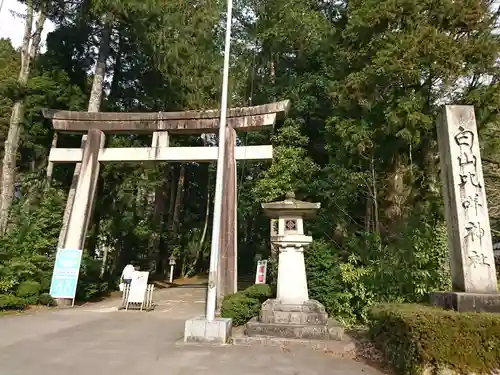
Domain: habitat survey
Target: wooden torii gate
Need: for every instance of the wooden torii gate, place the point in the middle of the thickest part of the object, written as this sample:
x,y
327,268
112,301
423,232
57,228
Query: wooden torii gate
x,y
162,125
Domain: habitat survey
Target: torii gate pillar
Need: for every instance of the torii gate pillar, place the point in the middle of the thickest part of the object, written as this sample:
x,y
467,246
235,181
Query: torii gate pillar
x,y
228,255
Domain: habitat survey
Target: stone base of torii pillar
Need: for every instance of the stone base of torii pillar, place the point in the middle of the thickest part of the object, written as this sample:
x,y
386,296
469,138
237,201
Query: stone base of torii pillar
x,y
292,315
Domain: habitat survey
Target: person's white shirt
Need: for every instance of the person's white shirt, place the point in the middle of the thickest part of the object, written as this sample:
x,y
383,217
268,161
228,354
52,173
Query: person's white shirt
x,y
128,271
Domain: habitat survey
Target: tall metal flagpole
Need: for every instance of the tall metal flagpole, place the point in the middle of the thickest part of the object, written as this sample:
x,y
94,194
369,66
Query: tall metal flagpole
x,y
215,247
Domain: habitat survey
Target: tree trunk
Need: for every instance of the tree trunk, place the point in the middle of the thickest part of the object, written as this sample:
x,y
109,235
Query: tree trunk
x,y
28,53
159,210
179,200
368,213
117,73
171,202
175,209
95,101
162,255
104,261
95,242
375,199
50,165
199,251
100,241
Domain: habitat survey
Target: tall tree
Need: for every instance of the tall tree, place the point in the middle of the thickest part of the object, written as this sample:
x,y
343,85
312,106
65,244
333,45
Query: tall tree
x,y
95,101
29,51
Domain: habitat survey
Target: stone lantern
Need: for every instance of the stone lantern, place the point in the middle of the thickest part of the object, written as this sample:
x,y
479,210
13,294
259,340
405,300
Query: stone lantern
x,y
292,314
289,240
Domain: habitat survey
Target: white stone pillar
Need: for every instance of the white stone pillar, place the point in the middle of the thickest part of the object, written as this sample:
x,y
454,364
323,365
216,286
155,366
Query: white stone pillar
x,y
292,281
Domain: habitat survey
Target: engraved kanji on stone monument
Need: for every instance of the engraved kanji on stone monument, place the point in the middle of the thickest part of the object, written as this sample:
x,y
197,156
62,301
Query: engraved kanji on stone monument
x,y
478,259
474,231
469,236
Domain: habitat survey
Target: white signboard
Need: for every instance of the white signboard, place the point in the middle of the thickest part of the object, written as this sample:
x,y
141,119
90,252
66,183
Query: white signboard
x,y
138,287
260,275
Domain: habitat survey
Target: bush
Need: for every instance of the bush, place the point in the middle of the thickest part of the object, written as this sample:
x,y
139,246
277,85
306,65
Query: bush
x,y
348,279
28,289
239,308
20,268
90,285
45,284
46,300
343,287
260,292
415,337
33,300
11,302
28,250
244,305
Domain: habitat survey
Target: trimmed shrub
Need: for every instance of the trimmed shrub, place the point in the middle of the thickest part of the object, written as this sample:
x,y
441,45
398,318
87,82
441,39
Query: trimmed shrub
x,y
11,302
260,292
46,300
244,305
32,300
415,337
239,308
28,289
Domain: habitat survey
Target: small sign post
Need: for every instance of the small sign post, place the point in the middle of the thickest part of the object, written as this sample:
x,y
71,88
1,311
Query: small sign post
x,y
260,275
172,264
65,274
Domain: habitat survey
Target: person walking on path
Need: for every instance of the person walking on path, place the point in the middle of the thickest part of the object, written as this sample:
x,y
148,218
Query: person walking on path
x,y
127,274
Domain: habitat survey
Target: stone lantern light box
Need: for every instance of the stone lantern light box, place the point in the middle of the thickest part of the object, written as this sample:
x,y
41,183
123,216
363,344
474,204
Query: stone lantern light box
x,y
292,314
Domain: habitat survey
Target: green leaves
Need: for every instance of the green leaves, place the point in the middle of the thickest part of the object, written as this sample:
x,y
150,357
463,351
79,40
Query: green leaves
x,y
349,279
291,169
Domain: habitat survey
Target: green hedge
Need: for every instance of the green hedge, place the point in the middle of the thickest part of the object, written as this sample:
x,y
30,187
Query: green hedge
x,y
244,305
28,288
11,302
46,300
260,292
413,337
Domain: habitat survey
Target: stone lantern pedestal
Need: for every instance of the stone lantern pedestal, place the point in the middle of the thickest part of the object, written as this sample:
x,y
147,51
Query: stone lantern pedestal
x,y
292,315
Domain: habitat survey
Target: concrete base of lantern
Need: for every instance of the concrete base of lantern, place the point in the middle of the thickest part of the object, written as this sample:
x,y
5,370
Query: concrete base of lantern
x,y
467,302
308,320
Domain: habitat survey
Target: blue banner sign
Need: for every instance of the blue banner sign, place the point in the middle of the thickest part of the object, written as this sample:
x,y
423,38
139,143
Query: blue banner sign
x,y
65,275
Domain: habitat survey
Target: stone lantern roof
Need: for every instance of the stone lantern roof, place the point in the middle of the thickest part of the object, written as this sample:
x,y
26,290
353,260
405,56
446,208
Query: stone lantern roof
x,y
290,207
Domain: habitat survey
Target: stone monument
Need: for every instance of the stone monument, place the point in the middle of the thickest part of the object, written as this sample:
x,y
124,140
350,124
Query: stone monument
x,y
473,271
292,315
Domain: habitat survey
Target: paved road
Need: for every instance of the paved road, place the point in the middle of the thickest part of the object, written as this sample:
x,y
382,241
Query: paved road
x,y
96,339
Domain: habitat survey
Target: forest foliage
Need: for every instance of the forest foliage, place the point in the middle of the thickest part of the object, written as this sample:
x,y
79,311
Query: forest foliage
x,y
366,79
